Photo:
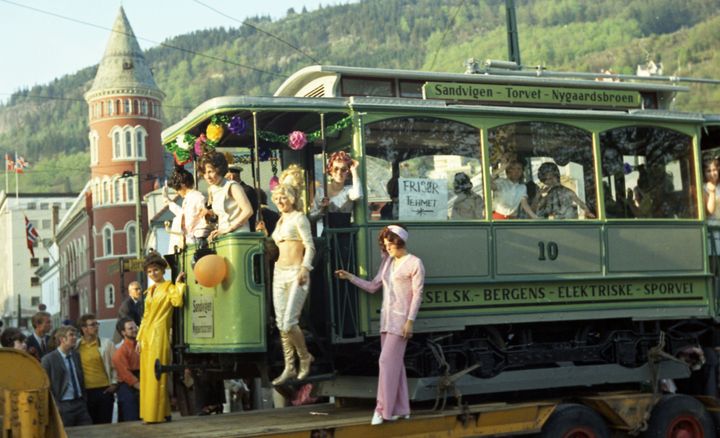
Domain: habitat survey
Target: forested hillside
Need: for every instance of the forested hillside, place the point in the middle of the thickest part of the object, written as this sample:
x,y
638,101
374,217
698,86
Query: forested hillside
x,y
49,122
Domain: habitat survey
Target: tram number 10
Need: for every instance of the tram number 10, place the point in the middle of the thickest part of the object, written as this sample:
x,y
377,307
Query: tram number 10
x,y
548,251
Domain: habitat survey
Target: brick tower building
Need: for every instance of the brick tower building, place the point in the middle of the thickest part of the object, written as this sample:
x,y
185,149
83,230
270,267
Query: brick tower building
x,y
126,158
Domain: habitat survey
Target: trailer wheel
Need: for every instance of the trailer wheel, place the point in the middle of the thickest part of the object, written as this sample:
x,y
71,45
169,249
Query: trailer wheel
x,y
575,421
680,416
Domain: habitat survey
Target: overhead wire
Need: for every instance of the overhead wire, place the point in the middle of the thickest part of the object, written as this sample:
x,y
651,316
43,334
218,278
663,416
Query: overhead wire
x,y
166,45
248,24
447,29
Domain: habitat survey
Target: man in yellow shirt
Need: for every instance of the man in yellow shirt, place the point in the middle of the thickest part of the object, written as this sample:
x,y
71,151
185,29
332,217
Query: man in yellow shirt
x,y
99,376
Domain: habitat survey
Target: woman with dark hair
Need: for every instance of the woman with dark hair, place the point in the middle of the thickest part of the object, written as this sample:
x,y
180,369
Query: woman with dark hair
x,y
402,278
13,338
339,198
227,198
711,192
466,204
192,212
153,338
555,201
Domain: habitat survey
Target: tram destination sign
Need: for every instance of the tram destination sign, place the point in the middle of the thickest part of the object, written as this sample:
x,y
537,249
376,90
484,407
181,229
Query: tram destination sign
x,y
548,96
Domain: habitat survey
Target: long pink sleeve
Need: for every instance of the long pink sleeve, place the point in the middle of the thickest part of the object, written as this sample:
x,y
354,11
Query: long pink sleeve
x,y
418,284
376,283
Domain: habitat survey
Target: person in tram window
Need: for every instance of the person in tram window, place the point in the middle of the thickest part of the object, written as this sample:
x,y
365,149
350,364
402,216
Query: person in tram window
x,y
711,200
466,204
227,198
652,198
711,192
555,201
340,198
509,193
402,278
291,279
193,226
389,211
153,338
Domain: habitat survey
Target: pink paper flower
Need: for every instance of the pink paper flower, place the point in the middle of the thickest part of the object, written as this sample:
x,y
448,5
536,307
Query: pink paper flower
x,y
199,143
274,182
297,140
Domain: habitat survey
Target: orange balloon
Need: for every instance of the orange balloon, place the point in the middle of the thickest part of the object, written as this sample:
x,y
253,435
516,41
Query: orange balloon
x,y
210,270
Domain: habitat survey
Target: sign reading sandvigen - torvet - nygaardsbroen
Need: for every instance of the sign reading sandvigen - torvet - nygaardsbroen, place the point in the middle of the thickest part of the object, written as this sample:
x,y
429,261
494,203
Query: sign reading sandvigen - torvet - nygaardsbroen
x,y
532,94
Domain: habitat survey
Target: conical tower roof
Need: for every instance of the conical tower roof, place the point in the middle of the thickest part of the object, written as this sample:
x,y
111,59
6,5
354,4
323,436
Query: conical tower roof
x,y
123,68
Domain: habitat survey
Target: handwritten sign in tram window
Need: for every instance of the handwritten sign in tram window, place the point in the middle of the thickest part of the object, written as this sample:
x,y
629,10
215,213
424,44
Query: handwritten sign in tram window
x,y
422,199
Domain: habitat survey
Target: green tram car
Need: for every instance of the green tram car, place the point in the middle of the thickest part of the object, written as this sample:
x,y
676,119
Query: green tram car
x,y
603,295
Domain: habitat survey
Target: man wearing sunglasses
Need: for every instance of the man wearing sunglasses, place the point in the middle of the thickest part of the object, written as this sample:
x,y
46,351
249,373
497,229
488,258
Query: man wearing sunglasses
x,y
100,380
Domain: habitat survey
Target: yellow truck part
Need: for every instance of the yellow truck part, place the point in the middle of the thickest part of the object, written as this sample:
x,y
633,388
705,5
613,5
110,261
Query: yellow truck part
x,y
26,405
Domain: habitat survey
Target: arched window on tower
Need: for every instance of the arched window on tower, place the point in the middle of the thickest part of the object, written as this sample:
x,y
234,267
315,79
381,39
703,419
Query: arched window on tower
x,y
116,145
111,108
136,107
130,189
94,140
107,240
131,233
128,144
106,199
117,188
128,108
143,107
118,105
140,136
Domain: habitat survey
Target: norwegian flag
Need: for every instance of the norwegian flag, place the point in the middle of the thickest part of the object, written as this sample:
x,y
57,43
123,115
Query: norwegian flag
x,y
32,235
9,163
21,164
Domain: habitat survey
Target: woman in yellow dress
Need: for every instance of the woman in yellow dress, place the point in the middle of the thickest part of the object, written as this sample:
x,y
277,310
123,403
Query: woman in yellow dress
x,y
153,339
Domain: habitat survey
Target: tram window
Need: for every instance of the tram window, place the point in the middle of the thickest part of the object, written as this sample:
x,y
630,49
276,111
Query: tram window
x,y
648,172
413,164
367,87
550,164
411,89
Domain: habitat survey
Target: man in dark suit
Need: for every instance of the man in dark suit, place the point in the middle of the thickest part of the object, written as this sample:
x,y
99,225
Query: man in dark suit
x,y
66,379
37,342
134,306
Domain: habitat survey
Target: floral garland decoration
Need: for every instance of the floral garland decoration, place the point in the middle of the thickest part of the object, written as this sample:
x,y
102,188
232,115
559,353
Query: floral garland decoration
x,y
185,147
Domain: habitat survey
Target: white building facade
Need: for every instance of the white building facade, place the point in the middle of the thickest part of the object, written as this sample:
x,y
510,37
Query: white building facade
x,y
20,286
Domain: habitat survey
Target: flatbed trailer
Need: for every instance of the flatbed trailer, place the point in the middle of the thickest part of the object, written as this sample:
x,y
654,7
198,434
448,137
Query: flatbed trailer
x,y
623,413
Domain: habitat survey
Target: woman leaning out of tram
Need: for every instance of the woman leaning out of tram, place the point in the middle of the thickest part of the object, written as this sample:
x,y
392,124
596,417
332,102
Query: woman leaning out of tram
x,y
402,278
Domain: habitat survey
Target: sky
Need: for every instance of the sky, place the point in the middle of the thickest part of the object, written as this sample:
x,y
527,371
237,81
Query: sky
x,y
37,48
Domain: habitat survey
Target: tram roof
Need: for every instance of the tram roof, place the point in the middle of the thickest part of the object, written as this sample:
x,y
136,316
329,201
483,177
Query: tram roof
x,y
228,104
295,84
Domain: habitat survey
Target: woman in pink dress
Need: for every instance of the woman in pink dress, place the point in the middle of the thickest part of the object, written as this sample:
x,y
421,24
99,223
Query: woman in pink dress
x,y
402,278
